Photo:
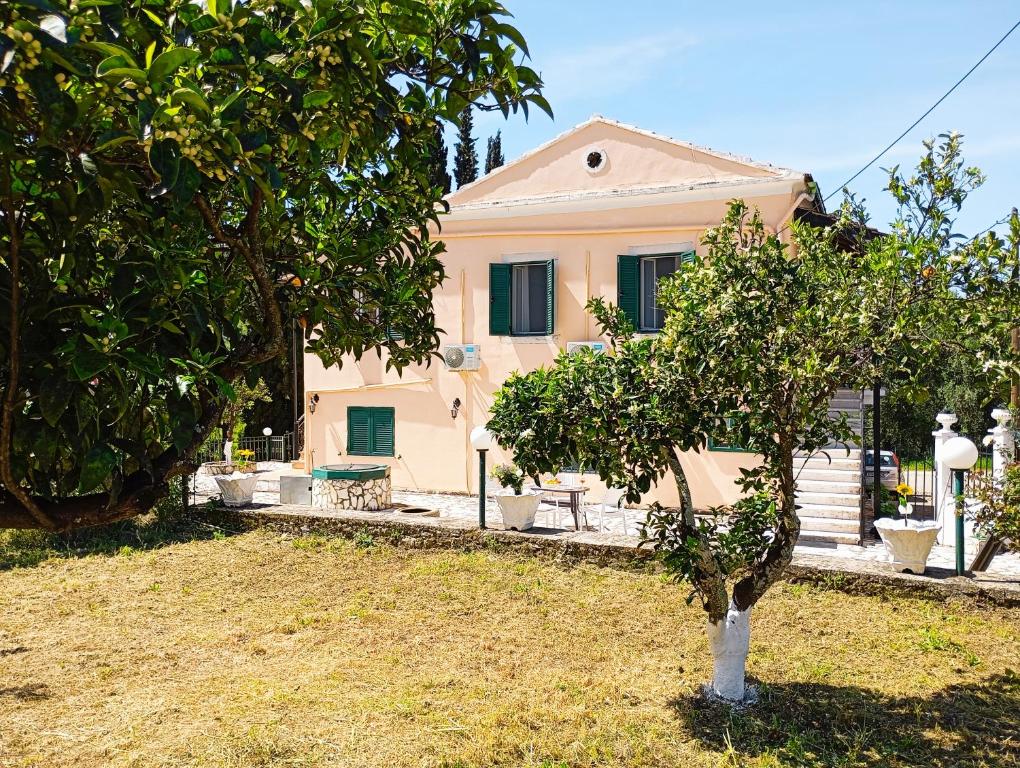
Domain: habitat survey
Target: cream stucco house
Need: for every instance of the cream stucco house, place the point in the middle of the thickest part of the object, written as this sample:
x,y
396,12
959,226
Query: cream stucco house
x,y
604,209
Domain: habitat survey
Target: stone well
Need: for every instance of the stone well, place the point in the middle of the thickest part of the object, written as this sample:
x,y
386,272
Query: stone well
x,y
352,486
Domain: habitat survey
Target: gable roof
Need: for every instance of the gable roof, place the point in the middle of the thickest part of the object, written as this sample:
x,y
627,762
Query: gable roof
x,y
637,163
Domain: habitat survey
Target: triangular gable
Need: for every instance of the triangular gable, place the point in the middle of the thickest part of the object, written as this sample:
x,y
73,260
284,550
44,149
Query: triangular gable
x,y
632,159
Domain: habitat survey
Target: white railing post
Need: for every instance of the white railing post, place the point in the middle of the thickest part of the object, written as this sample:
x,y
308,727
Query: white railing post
x,y
945,510
1002,443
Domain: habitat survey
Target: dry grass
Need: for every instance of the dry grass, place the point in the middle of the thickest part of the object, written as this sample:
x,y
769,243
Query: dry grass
x,y
256,650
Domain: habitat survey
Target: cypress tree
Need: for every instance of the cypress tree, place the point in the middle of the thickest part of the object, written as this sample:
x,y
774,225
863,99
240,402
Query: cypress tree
x,y
465,159
439,175
494,153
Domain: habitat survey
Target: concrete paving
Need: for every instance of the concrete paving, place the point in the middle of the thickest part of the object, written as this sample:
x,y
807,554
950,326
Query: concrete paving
x,y
461,512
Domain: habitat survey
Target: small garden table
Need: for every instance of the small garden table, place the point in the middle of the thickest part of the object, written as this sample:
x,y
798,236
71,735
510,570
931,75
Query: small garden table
x,y
576,492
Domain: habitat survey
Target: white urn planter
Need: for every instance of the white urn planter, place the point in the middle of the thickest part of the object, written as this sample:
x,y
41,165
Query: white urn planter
x,y
518,511
236,489
908,546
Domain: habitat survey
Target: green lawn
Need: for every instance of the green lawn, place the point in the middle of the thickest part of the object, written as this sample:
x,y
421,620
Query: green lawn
x,y
257,650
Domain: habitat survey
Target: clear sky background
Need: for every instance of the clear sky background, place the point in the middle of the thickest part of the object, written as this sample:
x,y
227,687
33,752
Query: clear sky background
x,y
819,87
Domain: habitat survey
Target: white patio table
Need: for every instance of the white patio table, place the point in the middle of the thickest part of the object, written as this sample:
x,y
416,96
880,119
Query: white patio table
x,y
576,493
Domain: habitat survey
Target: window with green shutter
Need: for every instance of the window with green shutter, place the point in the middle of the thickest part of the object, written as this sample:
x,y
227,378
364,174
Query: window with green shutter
x,y
370,431
522,299
637,280
726,444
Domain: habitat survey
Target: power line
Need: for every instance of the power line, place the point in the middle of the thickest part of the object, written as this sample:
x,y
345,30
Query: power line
x,y
931,109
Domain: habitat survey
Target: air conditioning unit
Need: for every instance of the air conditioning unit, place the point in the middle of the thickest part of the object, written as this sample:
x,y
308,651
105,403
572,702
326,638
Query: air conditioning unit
x,y
594,346
462,357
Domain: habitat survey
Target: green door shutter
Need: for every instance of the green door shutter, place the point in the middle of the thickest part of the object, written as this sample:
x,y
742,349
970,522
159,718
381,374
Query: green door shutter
x,y
628,286
499,299
382,432
550,297
359,431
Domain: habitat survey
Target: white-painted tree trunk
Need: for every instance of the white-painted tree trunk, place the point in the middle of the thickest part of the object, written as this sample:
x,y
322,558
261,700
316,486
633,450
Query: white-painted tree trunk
x,y
730,640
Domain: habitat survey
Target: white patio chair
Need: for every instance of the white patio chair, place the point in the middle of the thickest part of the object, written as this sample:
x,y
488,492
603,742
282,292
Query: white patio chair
x,y
612,502
558,503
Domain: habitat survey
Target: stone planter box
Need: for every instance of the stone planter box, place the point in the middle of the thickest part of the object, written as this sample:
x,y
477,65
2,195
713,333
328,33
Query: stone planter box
x,y
236,490
518,511
216,468
365,487
908,546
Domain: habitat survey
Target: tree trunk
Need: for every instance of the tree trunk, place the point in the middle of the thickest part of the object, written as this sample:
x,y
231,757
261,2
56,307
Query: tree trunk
x,y
730,640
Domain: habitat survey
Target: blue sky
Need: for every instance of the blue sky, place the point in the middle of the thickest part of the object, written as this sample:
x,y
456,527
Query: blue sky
x,y
817,87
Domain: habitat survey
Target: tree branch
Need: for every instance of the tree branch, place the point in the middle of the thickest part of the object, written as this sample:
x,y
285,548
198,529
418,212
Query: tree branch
x,y
708,579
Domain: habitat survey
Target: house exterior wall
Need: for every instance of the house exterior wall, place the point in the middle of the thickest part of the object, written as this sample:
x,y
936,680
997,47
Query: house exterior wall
x,y
584,238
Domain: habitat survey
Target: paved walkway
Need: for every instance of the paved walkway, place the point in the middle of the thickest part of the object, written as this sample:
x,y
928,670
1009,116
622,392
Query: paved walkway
x,y
460,511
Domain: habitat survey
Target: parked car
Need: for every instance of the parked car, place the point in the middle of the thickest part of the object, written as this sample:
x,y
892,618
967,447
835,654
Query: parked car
x,y
889,467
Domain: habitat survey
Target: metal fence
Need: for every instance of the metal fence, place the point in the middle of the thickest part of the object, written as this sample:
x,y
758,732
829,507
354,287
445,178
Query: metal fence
x,y
263,448
919,474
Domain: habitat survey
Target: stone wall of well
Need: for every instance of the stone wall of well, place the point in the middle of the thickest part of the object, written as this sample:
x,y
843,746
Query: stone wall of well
x,y
371,495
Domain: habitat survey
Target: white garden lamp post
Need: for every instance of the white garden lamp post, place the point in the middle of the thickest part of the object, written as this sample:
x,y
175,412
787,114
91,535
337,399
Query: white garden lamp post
x,y
481,441
959,454
267,431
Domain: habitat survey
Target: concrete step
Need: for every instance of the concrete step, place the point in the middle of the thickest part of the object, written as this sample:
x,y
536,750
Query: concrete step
x,y
833,475
845,403
827,462
836,452
827,537
828,486
828,499
829,524
828,511
269,485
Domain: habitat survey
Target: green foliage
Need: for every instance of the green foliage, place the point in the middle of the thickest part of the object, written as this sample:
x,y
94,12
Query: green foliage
x,y
510,477
465,157
494,153
958,385
738,535
439,175
178,179
759,335
998,511
245,396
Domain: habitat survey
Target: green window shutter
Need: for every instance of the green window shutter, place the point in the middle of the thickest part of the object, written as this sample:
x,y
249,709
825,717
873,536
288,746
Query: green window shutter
x,y
392,334
550,297
382,432
499,299
628,286
359,431
370,431
687,258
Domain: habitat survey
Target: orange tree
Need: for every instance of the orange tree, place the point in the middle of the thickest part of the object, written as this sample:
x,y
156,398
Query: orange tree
x,y
177,181
758,337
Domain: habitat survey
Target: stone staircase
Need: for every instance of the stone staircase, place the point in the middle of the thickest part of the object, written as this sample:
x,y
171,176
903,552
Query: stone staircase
x,y
829,482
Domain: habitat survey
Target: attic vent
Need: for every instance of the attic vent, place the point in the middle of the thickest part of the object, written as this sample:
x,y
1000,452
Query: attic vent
x,y
595,160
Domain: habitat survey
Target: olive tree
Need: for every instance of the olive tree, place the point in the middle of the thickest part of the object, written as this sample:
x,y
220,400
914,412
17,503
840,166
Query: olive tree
x,y
758,337
179,181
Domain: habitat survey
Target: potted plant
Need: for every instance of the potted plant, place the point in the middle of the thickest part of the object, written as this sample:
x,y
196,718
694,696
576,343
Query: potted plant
x,y
238,488
517,508
908,544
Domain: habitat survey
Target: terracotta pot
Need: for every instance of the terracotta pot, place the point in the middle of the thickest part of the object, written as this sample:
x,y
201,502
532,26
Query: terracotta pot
x,y
518,511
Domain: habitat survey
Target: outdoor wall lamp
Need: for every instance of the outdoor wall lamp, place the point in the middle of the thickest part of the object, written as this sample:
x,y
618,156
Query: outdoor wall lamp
x,y
313,400
959,454
455,408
